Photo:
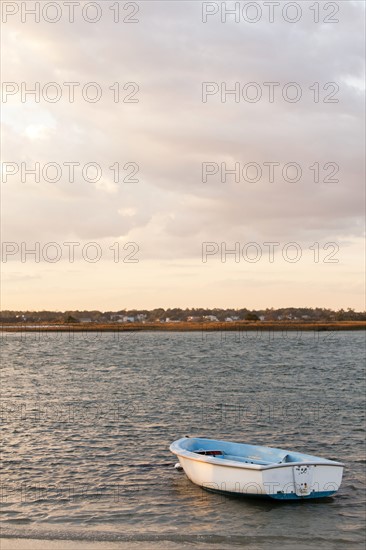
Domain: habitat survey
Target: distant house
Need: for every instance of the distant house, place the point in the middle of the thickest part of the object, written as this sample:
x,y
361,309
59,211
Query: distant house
x,y
262,318
192,318
141,317
211,318
21,318
228,320
85,320
117,318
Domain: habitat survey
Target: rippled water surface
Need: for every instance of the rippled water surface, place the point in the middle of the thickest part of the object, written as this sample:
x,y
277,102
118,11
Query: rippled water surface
x,y
87,420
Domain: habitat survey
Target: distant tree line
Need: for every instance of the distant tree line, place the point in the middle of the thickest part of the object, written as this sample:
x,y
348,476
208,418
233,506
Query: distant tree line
x,y
178,314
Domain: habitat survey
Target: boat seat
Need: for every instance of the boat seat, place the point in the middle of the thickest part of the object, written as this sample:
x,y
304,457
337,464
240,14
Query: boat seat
x,y
247,460
291,458
209,453
235,458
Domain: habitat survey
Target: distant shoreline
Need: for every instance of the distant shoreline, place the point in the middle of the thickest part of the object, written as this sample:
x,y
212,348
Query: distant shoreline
x,y
184,326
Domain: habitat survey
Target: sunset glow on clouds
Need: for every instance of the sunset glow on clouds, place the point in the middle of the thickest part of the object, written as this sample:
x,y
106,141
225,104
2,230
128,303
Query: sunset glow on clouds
x,y
170,143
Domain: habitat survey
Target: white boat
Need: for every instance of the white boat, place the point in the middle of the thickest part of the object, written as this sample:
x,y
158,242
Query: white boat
x,y
256,471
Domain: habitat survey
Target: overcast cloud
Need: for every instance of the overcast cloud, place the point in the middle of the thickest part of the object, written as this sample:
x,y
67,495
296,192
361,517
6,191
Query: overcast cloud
x,y
169,133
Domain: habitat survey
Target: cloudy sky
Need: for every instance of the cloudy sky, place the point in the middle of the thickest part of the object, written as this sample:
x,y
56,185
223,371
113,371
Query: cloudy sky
x,y
157,228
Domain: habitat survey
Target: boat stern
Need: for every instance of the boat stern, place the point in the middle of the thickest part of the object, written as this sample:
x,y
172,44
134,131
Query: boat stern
x,y
301,481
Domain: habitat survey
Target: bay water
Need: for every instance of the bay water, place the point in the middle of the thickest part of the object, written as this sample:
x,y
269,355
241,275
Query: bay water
x,y
87,420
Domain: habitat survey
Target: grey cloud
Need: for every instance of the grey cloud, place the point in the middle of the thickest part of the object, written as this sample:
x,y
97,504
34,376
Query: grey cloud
x,y
170,132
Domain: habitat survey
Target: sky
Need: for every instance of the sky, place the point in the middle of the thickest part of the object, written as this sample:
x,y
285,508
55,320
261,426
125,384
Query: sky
x,y
199,159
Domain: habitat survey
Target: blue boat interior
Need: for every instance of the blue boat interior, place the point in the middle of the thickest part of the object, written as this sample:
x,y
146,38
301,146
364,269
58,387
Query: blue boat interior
x,y
241,452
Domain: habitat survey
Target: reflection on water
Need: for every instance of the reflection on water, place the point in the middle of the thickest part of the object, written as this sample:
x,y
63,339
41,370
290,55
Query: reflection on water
x,y
87,420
